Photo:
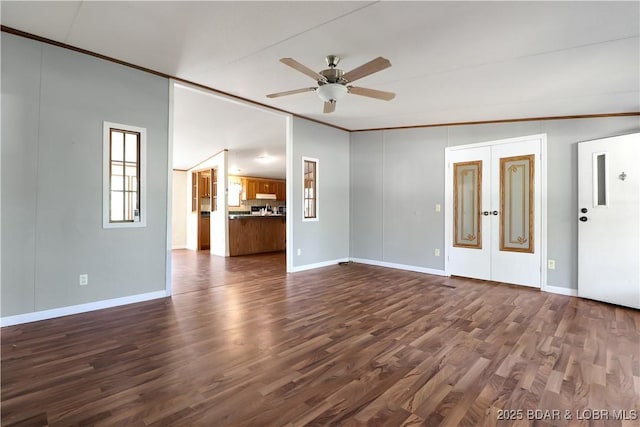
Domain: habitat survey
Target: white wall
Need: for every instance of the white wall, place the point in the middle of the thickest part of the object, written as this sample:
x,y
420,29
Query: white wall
x,y
397,177
54,102
181,203
326,240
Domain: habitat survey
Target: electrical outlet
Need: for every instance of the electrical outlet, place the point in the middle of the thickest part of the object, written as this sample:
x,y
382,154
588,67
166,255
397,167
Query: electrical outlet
x,y
299,251
84,279
551,264
436,252
437,207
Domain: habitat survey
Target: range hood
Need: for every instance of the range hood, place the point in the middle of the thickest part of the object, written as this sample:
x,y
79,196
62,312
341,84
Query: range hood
x,y
265,196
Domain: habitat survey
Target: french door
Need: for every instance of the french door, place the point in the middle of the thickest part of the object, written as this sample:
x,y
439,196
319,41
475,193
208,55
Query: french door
x,y
494,202
609,220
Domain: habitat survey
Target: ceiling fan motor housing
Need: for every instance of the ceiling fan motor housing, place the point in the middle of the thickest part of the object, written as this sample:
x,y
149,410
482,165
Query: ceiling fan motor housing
x,y
333,75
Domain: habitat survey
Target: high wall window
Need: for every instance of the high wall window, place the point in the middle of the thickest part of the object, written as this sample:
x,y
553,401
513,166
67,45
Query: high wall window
x,y
123,175
310,189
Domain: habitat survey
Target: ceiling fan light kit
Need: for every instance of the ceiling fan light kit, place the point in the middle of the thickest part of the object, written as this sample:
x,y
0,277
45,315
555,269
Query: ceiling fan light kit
x,y
333,82
331,92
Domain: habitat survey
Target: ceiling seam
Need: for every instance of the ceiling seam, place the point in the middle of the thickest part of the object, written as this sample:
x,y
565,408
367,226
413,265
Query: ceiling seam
x,y
303,32
503,61
73,22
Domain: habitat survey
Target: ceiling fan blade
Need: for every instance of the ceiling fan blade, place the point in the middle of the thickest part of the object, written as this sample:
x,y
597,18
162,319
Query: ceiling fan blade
x,y
329,107
291,92
364,70
303,69
372,93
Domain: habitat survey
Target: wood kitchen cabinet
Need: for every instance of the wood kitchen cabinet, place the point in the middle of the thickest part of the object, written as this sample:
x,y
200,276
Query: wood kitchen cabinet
x,y
280,190
194,191
253,235
204,184
205,232
249,188
253,186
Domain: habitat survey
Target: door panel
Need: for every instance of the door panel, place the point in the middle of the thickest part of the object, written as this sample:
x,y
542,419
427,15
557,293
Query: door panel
x,y
516,203
498,238
609,220
516,257
467,196
469,256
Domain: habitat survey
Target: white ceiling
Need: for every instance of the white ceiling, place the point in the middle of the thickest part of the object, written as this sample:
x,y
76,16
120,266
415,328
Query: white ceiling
x,y
205,124
452,61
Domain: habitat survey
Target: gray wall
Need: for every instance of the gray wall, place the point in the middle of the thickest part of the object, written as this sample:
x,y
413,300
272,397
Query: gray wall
x,y
53,104
397,177
328,238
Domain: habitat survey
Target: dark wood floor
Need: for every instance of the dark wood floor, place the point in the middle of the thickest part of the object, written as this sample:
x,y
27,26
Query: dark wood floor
x,y
245,344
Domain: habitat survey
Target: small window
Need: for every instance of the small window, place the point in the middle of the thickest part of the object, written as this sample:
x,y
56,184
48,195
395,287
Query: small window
x,y
123,175
600,180
310,189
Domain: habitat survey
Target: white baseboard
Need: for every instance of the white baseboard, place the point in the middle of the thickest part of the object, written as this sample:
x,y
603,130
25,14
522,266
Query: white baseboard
x,y
400,266
561,291
80,308
318,265
178,247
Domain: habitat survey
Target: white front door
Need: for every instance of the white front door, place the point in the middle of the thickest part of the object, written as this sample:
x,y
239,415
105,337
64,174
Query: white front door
x,y
494,211
609,220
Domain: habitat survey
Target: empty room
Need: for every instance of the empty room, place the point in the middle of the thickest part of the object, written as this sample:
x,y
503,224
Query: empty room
x,y
262,213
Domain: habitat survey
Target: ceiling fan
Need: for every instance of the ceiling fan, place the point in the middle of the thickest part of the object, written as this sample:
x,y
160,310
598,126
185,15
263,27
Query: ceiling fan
x,y
333,83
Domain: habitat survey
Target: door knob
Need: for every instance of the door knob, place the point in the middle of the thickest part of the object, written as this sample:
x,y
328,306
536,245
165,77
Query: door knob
x,y
485,213
495,212
583,218
584,210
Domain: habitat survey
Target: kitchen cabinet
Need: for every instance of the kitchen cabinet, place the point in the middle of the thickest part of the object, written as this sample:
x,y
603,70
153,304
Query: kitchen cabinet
x,y
205,232
280,190
253,235
249,188
253,186
194,191
204,184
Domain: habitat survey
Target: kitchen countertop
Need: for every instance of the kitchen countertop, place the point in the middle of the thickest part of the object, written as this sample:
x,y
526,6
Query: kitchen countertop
x,y
245,216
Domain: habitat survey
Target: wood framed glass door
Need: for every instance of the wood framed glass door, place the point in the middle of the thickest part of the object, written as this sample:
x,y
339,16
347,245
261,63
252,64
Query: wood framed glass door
x,y
495,212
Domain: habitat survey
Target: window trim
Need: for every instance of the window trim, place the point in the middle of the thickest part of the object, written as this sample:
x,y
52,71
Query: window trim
x,y
106,172
317,195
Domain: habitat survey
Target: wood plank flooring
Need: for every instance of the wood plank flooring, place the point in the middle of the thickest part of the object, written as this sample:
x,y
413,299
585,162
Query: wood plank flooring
x,y
243,343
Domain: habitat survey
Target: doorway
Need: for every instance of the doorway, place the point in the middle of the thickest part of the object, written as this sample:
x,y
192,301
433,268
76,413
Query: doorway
x,y
495,193
609,220
204,201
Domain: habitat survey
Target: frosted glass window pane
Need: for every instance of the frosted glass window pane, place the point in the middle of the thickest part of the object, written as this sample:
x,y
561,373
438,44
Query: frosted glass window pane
x,y
466,208
602,179
516,200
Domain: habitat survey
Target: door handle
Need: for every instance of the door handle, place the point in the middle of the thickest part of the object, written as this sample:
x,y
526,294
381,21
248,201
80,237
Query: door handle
x,y
495,212
584,210
485,213
583,218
